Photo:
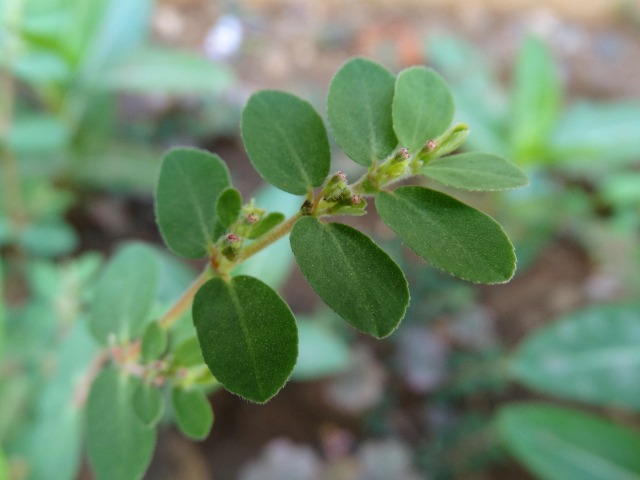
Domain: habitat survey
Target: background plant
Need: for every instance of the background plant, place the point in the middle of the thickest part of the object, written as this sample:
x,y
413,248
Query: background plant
x,y
245,332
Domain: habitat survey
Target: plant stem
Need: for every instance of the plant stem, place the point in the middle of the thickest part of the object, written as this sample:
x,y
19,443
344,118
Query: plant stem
x,y
178,308
268,238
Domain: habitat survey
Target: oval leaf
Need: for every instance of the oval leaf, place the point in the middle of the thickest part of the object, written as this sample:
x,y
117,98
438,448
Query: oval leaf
x,y
359,110
228,206
125,293
449,234
422,107
186,196
193,412
118,443
148,404
154,342
475,171
247,335
351,274
286,141
563,444
591,355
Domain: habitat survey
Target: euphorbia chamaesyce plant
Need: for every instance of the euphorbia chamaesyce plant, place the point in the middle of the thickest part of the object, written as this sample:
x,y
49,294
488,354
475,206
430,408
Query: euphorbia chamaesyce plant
x,y
398,129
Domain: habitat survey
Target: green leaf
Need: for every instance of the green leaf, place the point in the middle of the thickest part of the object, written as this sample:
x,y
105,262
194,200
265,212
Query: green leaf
x,y
228,206
38,134
591,355
247,335
449,234
125,293
188,353
475,171
286,141
265,224
188,188
597,134
193,413
119,444
4,470
359,110
351,274
162,70
148,404
422,107
154,342
562,444
536,101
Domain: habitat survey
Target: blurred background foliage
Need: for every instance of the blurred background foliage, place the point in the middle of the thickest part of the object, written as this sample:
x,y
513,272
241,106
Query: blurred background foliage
x,y
516,381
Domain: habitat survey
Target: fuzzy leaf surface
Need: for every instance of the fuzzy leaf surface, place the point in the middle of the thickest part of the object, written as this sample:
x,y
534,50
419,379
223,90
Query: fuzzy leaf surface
x,y
186,197
148,404
247,335
118,443
591,355
359,110
193,412
229,206
125,294
422,107
351,274
475,171
449,234
286,141
564,444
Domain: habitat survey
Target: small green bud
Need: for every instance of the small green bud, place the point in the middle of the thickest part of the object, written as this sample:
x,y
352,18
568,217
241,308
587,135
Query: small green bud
x,y
446,143
336,188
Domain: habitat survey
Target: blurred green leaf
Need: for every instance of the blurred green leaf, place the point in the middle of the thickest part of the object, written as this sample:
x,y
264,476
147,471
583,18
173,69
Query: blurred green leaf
x,y
593,134
590,355
148,404
41,67
286,141
4,469
247,334
562,444
37,134
110,31
125,293
49,238
57,419
422,107
188,353
193,412
536,101
228,206
159,70
321,351
622,189
449,234
475,171
154,342
188,188
359,110
118,443
352,275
